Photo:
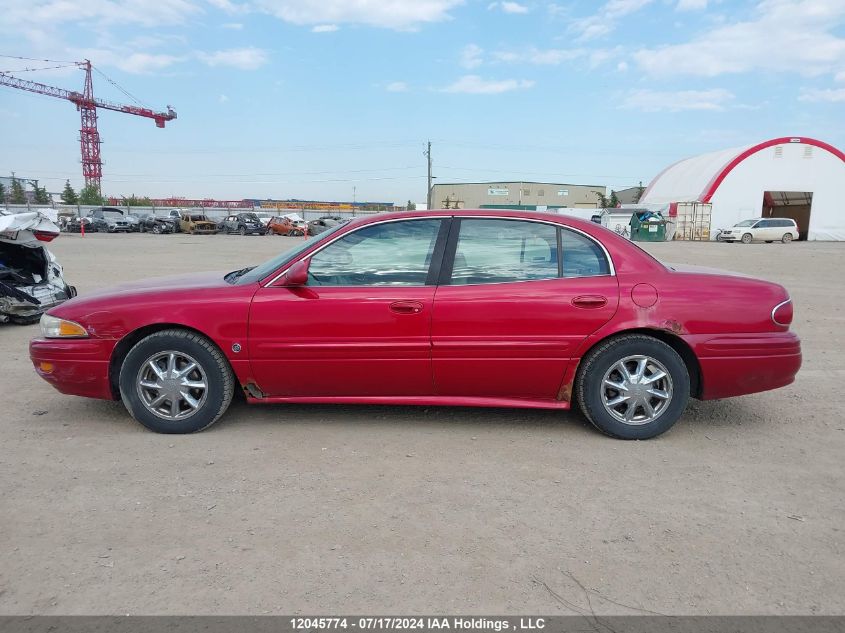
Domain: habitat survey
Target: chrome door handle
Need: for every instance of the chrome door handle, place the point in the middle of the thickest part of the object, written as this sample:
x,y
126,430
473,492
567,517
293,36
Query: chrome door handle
x,y
406,307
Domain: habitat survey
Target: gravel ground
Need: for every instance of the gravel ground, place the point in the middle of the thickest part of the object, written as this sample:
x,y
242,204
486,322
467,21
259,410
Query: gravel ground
x,y
330,509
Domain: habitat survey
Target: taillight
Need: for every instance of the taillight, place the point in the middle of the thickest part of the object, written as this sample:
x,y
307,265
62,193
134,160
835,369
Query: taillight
x,y
782,313
45,236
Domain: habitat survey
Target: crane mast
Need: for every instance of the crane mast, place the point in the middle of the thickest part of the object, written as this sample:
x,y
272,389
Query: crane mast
x,y
87,104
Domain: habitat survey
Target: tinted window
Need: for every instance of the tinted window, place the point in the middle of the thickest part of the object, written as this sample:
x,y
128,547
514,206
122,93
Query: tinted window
x,y
500,251
389,254
582,257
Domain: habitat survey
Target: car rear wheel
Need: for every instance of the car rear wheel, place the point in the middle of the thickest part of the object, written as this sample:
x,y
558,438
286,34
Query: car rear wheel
x,y
176,381
633,387
787,238
746,238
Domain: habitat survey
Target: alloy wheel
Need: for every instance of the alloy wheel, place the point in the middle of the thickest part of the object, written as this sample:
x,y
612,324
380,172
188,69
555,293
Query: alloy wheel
x,y
636,390
172,385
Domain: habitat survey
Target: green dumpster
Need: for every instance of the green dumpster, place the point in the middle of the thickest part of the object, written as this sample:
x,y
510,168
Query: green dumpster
x,y
648,227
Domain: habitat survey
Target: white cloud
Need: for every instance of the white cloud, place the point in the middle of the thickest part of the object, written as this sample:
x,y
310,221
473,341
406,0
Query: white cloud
x,y
605,20
622,67
784,36
138,63
473,84
660,101
242,58
830,96
233,26
840,76
223,98
325,28
393,14
230,7
153,13
691,5
508,7
540,57
397,86
472,56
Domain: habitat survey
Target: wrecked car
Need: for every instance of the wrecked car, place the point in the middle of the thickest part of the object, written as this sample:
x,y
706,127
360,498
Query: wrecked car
x,y
31,280
197,223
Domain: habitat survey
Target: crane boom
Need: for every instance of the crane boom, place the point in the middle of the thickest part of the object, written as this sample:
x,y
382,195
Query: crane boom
x,y
87,105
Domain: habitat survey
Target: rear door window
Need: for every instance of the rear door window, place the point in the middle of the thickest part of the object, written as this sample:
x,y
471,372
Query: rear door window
x,y
504,251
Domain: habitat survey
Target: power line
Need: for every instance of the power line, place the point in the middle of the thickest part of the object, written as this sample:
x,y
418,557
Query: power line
x,y
24,70
35,59
116,85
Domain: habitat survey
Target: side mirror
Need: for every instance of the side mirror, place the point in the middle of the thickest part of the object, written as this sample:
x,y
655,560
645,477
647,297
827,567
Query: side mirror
x,y
297,275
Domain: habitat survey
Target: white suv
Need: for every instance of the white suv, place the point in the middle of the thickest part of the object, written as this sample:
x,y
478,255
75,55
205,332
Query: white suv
x,y
761,230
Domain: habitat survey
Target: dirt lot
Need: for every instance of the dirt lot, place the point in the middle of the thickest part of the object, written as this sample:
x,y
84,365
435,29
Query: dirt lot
x,y
306,509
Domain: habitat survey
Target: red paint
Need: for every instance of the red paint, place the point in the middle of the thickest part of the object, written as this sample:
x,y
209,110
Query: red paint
x,y
644,295
510,344
717,180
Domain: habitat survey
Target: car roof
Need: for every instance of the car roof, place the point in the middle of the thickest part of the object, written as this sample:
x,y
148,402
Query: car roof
x,y
557,218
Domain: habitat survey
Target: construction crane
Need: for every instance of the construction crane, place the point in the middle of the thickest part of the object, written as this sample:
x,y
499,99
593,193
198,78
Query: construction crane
x,y
87,104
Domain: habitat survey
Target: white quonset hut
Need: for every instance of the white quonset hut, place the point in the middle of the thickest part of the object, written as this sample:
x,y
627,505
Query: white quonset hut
x,y
795,177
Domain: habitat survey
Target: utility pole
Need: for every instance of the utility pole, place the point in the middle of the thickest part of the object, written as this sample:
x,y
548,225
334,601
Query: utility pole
x,y
428,194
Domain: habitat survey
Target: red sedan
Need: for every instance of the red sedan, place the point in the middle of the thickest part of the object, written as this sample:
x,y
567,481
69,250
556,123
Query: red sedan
x,y
468,308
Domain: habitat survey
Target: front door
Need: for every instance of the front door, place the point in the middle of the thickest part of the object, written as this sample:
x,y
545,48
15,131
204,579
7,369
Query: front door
x,y
362,324
519,299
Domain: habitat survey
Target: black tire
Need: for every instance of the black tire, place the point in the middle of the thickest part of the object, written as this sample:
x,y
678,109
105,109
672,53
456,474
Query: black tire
x,y
218,374
747,238
156,229
589,386
787,238
242,230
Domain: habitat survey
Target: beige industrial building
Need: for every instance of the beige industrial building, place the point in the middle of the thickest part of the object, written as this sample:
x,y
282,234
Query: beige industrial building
x,y
516,194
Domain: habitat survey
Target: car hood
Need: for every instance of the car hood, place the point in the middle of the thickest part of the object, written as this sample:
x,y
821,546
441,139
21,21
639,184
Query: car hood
x,y
190,281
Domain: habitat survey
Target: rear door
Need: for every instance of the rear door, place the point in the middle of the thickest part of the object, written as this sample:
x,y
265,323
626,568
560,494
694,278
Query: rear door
x,y
515,299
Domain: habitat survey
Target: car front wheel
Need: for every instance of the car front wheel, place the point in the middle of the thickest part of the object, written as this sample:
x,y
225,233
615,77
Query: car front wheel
x,y
746,239
633,387
176,381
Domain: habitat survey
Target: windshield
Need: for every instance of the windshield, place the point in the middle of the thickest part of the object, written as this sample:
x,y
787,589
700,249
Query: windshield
x,y
113,215
260,272
250,216
198,218
746,223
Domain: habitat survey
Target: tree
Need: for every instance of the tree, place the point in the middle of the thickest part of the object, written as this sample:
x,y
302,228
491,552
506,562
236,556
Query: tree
x,y
69,195
41,196
89,195
18,195
2,193
411,206
607,203
640,192
135,201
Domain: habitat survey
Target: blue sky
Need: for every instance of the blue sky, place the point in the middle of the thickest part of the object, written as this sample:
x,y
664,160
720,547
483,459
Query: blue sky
x,y
323,98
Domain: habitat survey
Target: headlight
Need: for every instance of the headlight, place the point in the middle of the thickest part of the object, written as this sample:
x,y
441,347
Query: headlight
x,y
51,327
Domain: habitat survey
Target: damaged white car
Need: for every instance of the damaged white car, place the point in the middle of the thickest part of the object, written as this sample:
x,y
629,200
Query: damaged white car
x,y
31,280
